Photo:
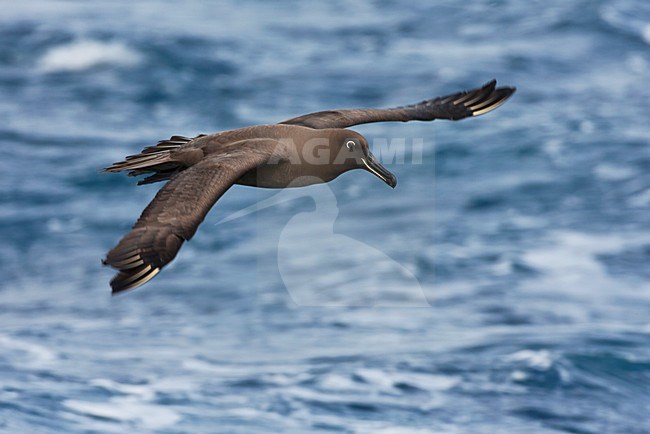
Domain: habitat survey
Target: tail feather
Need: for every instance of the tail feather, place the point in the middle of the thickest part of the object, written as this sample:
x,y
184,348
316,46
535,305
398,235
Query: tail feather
x,y
158,159
171,144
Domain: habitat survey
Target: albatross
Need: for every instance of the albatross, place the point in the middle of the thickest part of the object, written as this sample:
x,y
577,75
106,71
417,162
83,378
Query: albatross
x,y
312,148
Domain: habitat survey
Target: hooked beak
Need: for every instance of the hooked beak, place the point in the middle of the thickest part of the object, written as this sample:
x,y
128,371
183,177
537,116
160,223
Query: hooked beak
x,y
373,166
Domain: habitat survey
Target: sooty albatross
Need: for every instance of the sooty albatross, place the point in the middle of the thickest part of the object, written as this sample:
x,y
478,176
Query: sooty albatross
x,y
201,169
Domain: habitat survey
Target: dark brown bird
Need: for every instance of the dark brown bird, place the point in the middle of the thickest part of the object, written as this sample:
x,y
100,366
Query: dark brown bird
x,y
315,147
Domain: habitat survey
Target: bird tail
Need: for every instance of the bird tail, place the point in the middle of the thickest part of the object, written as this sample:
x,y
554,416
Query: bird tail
x,y
157,160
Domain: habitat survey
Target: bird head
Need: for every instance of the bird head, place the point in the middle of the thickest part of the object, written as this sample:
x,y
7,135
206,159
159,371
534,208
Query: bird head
x,y
351,151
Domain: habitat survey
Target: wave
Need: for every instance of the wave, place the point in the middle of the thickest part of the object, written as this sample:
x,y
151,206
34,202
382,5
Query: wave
x,y
629,17
127,409
85,54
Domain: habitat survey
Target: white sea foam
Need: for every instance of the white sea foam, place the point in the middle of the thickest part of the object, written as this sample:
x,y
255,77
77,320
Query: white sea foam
x,y
610,172
628,17
142,390
369,397
645,33
388,380
84,54
577,281
540,359
376,377
572,260
134,404
518,375
34,354
129,408
640,200
338,382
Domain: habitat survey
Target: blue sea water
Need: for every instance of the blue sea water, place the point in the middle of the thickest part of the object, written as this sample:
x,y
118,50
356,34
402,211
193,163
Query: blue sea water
x,y
526,229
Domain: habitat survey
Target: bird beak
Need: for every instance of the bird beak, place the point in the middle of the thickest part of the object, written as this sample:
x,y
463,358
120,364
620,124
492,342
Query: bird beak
x,y
373,166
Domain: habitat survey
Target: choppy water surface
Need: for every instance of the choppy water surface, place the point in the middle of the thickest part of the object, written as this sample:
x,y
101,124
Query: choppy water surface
x,y
526,229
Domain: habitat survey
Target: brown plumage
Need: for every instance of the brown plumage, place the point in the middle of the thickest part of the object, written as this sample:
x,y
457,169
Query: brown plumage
x,y
201,169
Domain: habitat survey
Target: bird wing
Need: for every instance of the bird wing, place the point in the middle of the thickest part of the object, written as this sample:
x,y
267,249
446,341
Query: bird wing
x,y
460,105
174,215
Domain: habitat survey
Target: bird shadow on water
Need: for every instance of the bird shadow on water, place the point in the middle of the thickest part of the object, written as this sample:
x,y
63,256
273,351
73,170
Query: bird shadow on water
x,y
320,267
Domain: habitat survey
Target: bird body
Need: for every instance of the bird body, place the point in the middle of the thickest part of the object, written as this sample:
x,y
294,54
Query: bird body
x,y
313,148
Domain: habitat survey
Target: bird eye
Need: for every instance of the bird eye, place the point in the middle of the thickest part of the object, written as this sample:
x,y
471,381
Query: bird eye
x,y
350,144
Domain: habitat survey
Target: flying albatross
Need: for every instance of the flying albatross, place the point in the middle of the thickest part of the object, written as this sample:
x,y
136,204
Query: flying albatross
x,y
315,147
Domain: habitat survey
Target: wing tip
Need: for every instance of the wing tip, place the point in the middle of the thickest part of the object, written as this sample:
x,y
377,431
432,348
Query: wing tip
x,y
495,98
126,280
490,84
133,269
140,255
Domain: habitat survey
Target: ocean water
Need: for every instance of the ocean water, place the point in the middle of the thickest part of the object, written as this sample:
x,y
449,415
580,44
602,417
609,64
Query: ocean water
x,y
503,287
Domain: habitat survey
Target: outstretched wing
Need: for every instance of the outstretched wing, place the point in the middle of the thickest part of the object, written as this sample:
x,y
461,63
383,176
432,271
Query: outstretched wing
x,y
178,209
454,107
